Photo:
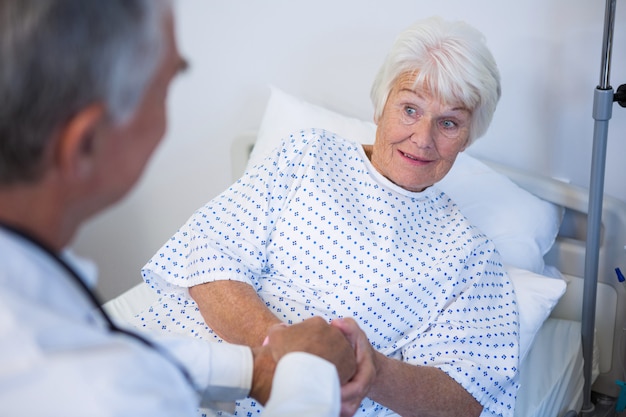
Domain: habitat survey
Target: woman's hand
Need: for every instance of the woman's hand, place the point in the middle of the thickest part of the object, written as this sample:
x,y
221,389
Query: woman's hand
x,y
357,388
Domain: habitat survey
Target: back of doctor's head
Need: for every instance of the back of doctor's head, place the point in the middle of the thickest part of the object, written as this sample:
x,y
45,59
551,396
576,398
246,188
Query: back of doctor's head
x,y
451,60
59,56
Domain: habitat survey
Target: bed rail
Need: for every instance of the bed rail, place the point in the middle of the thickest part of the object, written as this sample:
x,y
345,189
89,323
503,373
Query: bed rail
x,y
568,255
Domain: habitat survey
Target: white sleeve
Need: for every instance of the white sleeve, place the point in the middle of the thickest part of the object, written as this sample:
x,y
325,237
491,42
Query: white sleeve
x,y
305,386
221,372
57,367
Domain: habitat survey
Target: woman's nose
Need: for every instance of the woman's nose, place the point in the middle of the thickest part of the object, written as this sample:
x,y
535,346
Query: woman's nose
x,y
422,132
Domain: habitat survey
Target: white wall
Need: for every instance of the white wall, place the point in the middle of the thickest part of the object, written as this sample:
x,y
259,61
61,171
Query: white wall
x,y
327,52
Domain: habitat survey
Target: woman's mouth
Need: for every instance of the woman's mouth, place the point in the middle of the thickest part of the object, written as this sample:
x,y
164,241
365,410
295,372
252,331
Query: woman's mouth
x,y
413,157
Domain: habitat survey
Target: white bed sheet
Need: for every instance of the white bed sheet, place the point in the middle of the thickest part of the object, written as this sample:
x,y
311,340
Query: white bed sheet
x,y
551,375
132,302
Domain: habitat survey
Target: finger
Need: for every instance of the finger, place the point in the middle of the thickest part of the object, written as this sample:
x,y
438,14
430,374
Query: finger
x,y
363,349
272,330
348,410
277,326
350,400
349,328
345,324
353,392
358,387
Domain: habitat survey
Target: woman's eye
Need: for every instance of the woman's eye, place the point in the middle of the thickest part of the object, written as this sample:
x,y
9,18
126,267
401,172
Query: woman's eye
x,y
410,111
448,124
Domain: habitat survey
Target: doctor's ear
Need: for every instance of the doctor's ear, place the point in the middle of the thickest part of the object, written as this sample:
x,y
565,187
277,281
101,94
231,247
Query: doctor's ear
x,y
77,141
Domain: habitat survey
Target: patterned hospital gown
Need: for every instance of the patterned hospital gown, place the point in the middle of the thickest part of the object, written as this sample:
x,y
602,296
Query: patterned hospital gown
x,y
318,231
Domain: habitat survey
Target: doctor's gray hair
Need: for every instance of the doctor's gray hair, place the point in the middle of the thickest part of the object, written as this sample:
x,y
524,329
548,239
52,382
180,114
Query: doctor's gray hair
x,y
451,61
59,56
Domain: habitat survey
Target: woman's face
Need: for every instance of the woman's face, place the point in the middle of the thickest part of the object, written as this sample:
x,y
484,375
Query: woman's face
x,y
418,137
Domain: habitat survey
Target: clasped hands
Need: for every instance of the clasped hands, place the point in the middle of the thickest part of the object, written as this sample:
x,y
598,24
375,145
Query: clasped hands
x,y
341,342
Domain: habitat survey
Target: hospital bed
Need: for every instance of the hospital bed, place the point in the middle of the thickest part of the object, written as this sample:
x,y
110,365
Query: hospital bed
x,y
537,223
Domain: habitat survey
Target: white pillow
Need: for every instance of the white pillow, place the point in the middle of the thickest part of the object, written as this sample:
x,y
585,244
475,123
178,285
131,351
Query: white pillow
x,y
286,114
522,226
537,295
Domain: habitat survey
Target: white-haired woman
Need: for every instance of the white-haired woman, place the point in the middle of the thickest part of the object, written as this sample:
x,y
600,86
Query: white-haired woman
x,y
327,227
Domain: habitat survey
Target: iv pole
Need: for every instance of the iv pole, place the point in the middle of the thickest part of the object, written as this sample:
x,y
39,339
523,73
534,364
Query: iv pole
x,y
602,111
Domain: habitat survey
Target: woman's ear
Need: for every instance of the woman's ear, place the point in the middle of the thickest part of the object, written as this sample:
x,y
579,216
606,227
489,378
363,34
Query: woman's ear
x,y
77,141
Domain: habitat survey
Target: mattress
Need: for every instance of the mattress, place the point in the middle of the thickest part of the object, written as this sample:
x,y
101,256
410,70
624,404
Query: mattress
x,y
132,302
551,376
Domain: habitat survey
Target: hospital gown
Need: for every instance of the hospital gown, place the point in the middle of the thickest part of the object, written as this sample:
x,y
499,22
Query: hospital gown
x,y
317,231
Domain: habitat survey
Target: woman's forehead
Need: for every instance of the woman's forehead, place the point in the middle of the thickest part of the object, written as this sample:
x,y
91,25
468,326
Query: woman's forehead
x,y
408,84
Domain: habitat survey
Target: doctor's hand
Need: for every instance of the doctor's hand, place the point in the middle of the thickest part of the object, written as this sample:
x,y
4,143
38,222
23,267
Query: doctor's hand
x,y
317,337
314,336
357,388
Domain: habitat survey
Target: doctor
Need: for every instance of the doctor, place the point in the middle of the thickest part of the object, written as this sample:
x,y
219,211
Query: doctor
x,y
84,86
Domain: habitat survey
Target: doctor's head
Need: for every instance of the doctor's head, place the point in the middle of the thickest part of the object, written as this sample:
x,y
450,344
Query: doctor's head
x,y
83,85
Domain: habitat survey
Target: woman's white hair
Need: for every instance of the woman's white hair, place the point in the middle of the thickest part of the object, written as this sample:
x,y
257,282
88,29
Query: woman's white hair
x,y
451,61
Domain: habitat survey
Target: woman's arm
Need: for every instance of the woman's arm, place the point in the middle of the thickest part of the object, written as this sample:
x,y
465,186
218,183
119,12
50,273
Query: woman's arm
x,y
409,390
234,311
413,390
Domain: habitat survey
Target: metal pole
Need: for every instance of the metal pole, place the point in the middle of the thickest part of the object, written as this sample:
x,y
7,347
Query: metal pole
x,y
607,45
602,109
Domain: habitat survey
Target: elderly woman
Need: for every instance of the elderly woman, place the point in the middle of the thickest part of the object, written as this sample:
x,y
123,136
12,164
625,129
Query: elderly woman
x,y
326,227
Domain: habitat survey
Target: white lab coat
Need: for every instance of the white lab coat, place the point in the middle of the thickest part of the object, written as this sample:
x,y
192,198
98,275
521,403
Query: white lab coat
x,y
58,359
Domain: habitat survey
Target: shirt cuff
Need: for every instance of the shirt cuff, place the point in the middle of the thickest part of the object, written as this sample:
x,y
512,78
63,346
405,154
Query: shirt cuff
x,y
304,385
230,376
